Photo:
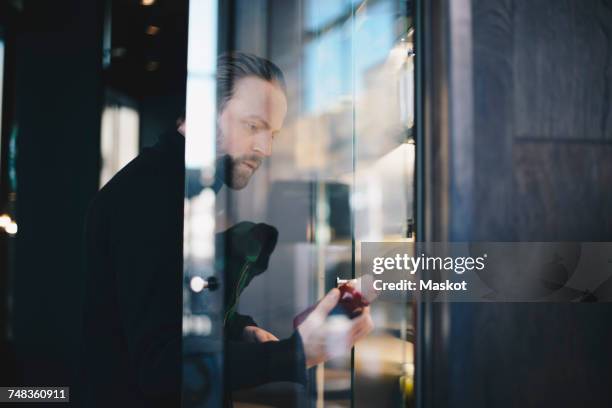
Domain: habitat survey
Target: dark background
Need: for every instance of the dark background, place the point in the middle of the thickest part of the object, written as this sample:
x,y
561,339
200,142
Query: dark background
x,y
56,86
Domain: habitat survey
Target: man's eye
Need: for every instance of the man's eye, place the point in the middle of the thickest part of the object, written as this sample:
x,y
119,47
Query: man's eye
x,y
252,127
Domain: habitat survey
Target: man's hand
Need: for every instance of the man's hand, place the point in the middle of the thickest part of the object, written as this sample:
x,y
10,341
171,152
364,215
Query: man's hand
x,y
317,335
254,334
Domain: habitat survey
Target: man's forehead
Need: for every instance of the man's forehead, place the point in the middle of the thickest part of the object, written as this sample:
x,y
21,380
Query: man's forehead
x,y
255,97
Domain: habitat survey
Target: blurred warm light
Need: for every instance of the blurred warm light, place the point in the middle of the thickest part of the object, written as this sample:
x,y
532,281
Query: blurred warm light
x,y
5,220
8,224
406,386
147,2
408,369
197,284
383,355
152,30
11,228
407,380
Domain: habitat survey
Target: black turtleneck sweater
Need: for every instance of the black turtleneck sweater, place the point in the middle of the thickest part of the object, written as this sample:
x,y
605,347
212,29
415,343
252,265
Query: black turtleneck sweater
x,y
133,307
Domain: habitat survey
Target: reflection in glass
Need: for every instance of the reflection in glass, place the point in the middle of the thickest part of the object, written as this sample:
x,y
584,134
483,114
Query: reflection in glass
x,y
202,303
341,173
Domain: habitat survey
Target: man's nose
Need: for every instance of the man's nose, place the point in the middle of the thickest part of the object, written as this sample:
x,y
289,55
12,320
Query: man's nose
x,y
263,144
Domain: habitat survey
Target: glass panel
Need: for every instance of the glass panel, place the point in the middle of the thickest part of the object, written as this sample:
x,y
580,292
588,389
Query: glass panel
x,y
383,189
339,171
202,299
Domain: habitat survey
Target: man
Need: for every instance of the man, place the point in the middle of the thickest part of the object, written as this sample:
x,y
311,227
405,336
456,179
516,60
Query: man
x,y
132,342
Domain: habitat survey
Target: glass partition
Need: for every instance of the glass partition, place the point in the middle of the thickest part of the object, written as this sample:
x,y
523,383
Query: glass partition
x,y
340,171
202,298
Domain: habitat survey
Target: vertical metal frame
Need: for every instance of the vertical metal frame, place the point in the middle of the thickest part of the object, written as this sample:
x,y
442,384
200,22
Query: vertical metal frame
x,y
444,127
431,171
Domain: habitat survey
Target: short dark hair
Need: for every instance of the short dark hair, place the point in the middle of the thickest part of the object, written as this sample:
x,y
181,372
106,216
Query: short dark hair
x,y
235,65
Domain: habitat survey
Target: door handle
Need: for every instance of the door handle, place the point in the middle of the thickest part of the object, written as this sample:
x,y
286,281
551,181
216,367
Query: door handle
x,y
198,284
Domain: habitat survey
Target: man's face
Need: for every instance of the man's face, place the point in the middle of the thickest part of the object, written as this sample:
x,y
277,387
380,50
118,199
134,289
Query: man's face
x,y
248,125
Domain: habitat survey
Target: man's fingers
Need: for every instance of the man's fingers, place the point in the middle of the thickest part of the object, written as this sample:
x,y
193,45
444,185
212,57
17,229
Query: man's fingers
x,y
263,336
326,304
259,335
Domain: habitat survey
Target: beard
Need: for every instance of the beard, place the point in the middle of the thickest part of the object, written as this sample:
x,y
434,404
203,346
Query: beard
x,y
240,170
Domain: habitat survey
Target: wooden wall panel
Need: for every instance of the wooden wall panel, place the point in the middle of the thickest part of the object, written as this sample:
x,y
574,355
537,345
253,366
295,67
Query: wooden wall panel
x,y
562,69
542,172
493,120
563,191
